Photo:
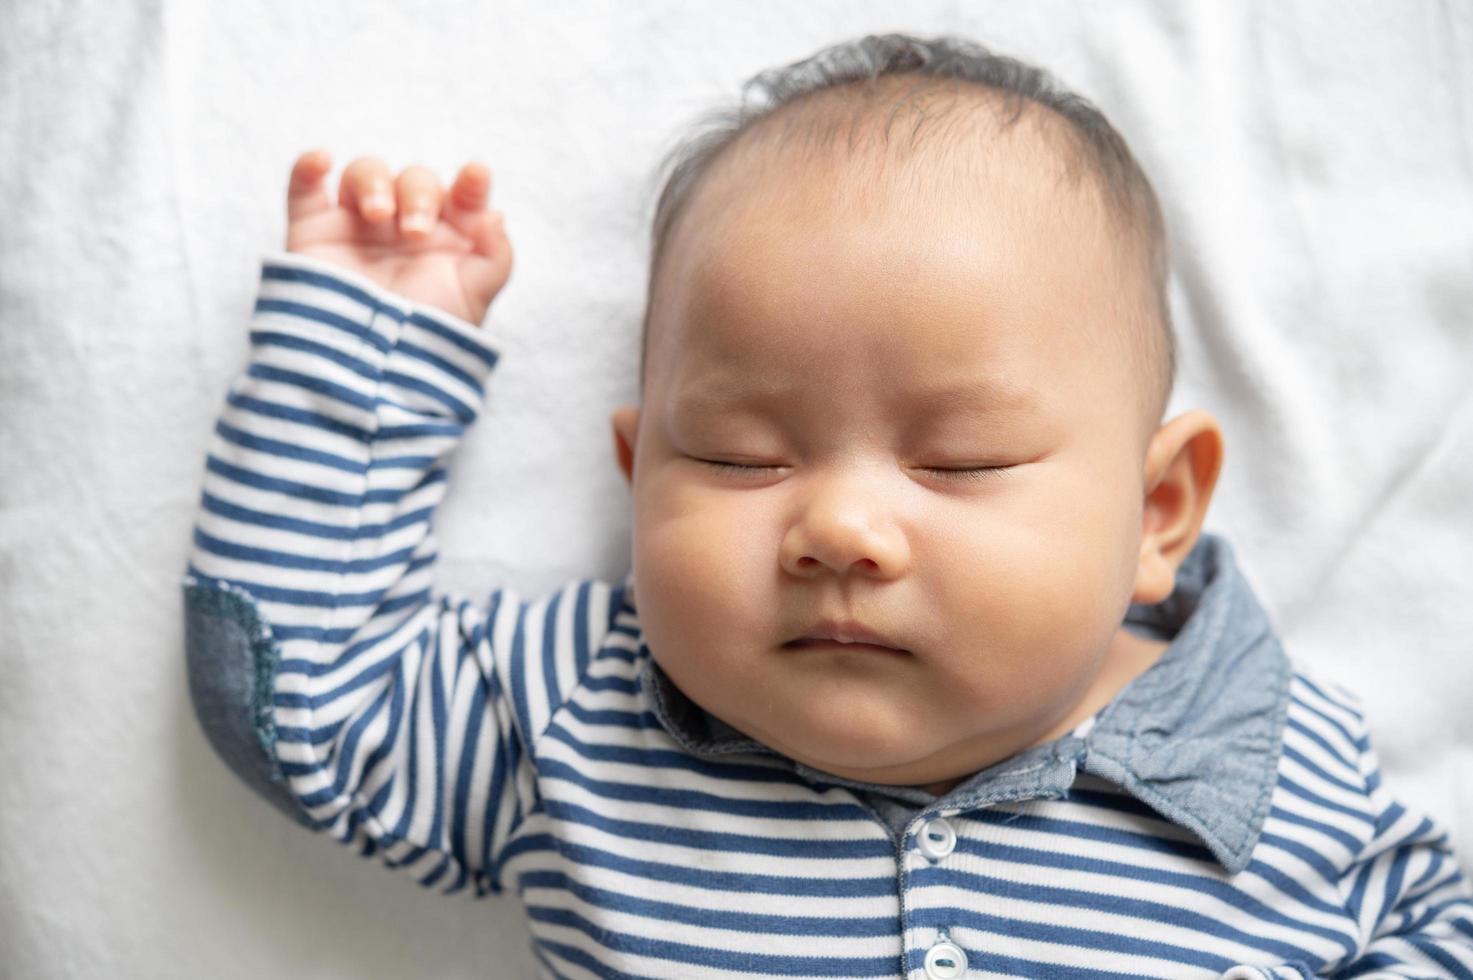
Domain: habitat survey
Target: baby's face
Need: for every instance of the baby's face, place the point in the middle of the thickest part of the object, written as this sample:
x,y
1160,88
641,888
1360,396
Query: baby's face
x,y
866,411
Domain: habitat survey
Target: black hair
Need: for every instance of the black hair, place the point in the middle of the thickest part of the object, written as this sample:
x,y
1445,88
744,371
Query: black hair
x,y
935,63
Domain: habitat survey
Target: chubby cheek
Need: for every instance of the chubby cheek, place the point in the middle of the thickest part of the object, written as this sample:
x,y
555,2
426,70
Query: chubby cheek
x,y
1038,591
705,572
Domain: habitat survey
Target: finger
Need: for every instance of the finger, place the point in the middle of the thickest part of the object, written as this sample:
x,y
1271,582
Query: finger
x,y
419,201
471,190
366,189
487,269
465,207
486,231
305,193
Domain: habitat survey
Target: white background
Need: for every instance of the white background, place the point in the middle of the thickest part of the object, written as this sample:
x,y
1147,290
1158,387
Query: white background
x,y
1315,159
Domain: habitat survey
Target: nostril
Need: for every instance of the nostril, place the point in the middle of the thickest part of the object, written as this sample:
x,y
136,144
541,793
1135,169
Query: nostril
x,y
868,564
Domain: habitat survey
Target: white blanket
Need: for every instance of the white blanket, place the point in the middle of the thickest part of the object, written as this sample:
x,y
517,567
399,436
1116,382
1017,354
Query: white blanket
x,y
1316,160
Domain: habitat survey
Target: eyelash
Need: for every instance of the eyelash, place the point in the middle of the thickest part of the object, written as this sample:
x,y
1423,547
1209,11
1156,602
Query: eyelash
x,y
735,469
974,473
971,473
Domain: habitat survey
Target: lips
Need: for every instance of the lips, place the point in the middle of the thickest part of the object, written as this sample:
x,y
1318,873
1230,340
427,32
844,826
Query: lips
x,y
846,633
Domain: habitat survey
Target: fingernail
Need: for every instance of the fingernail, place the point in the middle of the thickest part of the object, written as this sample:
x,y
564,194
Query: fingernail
x,y
417,221
378,203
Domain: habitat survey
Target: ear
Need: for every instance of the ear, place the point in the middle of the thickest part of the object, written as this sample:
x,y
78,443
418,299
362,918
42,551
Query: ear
x,y
1182,464
625,422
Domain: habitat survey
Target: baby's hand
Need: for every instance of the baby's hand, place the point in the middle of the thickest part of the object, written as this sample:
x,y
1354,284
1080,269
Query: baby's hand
x,y
443,250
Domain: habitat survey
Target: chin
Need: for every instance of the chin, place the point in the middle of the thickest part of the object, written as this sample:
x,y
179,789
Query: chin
x,y
861,752
894,772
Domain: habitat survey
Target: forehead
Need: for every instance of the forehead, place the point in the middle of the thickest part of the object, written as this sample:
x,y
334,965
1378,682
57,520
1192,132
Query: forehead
x,y
927,264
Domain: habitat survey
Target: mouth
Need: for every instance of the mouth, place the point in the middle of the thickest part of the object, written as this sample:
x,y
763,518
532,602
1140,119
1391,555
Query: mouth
x,y
848,635
855,647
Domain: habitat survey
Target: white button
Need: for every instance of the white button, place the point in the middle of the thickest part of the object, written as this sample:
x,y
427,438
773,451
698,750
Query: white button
x,y
945,961
936,839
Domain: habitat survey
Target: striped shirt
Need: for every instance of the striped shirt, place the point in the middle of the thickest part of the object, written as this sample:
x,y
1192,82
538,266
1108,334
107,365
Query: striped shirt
x,y
1223,816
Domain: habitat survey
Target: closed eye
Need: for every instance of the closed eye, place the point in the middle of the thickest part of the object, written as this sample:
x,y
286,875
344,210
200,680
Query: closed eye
x,y
737,469
968,472
959,473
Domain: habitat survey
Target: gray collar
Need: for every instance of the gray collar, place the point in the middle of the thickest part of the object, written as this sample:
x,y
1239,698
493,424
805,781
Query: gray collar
x,y
1197,737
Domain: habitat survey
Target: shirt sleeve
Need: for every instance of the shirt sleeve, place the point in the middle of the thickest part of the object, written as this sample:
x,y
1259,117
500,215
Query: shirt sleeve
x,y
323,667
1405,892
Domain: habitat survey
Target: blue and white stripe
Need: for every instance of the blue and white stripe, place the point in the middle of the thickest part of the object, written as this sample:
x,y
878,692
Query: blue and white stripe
x,y
514,744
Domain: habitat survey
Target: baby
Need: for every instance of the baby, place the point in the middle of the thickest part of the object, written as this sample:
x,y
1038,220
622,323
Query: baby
x,y
924,667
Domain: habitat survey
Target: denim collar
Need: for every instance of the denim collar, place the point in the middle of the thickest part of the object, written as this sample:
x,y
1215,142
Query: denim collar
x,y
1197,737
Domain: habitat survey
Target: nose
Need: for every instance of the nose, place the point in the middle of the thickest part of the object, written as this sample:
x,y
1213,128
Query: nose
x,y
844,527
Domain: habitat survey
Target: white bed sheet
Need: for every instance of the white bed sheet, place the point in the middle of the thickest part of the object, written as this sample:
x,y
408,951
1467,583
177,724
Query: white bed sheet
x,y
1316,160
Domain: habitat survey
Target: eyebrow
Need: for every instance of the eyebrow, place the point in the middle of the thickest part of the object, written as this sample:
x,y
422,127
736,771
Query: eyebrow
x,y
727,392
994,396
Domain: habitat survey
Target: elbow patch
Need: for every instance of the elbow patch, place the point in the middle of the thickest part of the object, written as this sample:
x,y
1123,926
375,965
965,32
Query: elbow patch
x,y
231,658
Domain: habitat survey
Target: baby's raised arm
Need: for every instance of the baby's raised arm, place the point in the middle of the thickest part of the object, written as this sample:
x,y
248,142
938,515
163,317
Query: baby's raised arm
x,y
324,667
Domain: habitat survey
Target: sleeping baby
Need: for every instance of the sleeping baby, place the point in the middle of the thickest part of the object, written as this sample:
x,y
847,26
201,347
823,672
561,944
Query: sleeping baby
x,y
924,666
